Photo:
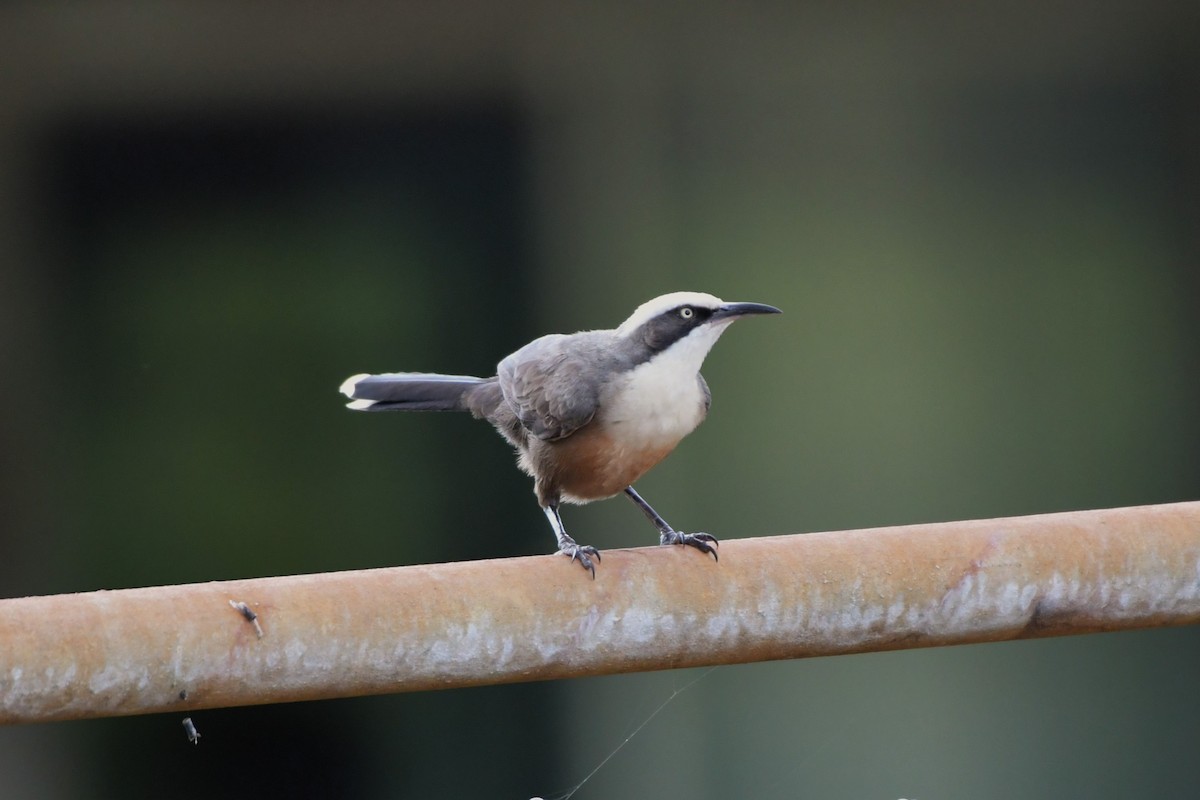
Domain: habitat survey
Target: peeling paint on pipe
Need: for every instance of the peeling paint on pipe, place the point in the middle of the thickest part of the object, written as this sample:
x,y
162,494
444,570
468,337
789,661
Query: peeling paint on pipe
x,y
179,648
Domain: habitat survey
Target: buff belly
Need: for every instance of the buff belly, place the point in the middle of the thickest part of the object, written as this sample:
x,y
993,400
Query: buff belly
x,y
591,465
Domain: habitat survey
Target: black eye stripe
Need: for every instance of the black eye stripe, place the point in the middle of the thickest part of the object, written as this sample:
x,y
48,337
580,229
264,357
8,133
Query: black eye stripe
x,y
671,325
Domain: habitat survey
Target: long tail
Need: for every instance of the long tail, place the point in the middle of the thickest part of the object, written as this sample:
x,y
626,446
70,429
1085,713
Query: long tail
x,y
408,391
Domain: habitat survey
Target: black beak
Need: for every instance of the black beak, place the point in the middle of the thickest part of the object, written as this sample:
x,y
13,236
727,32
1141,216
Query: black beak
x,y
743,309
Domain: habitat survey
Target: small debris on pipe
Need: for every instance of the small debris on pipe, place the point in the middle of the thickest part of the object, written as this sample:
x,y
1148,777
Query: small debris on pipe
x,y
249,614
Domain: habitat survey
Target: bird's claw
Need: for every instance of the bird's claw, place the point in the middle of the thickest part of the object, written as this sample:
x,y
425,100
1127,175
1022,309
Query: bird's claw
x,y
584,553
704,542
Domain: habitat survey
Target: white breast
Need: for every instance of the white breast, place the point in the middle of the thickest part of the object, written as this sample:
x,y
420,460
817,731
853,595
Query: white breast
x,y
659,402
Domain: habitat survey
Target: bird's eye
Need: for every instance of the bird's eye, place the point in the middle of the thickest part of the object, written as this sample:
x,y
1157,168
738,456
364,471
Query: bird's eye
x,y
686,312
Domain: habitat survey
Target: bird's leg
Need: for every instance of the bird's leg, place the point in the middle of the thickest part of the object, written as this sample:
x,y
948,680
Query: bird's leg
x,y
566,545
666,534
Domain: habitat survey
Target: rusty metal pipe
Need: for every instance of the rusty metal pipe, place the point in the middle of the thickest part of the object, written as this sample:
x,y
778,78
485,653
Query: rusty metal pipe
x,y
177,648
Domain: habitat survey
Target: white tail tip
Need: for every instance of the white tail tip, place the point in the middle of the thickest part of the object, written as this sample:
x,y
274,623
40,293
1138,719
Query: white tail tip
x,y
347,387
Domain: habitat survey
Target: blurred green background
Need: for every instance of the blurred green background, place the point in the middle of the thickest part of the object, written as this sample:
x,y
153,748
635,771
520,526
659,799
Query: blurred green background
x,y
982,222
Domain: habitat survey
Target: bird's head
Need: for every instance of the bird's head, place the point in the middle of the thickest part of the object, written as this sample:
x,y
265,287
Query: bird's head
x,y
687,322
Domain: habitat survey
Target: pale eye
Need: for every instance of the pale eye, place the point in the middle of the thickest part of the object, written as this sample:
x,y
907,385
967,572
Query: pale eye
x,y
686,313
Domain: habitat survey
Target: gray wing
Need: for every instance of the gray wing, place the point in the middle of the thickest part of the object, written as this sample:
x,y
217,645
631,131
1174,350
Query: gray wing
x,y
553,383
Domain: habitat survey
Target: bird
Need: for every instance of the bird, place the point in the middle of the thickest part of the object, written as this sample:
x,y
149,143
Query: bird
x,y
588,413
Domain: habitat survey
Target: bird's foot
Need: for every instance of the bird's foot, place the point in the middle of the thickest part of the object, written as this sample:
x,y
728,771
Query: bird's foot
x,y
704,542
584,553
